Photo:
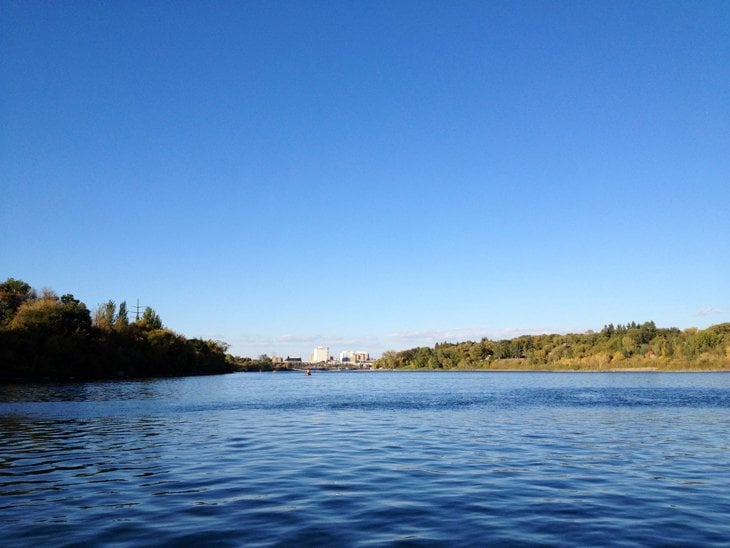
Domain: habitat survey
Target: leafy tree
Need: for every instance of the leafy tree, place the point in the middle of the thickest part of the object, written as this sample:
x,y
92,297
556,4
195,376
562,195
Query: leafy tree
x,y
49,315
13,293
150,319
707,340
69,298
75,315
390,360
121,322
218,345
105,315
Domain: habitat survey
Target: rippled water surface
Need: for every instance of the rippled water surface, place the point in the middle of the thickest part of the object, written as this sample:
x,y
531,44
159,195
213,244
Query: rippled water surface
x,y
357,458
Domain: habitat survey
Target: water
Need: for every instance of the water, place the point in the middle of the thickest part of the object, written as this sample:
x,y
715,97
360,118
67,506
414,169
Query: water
x,y
361,458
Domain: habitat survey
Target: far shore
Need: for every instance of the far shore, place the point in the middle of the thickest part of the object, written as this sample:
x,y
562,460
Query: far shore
x,y
524,370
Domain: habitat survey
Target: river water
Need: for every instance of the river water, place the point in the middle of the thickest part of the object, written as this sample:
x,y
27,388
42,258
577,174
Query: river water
x,y
369,458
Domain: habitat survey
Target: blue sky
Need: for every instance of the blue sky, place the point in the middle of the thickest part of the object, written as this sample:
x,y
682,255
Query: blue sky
x,y
370,175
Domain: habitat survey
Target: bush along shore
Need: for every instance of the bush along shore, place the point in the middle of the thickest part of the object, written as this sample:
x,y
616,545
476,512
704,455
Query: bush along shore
x,y
44,337
642,347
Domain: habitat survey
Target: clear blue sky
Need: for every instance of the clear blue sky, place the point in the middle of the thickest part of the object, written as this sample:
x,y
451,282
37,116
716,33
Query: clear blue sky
x,y
370,175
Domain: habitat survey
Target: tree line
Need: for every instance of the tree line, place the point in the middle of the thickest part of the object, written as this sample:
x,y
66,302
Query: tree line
x,y
619,346
47,337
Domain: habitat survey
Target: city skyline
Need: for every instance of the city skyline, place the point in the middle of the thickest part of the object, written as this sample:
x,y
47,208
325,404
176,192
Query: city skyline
x,y
370,175
294,346
323,354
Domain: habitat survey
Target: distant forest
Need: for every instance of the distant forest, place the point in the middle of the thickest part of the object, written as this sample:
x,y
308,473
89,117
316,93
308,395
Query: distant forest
x,y
44,337
615,347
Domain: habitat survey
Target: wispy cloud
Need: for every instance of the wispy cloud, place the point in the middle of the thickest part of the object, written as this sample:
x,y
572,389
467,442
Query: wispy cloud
x,y
287,339
303,339
461,334
512,332
711,311
291,339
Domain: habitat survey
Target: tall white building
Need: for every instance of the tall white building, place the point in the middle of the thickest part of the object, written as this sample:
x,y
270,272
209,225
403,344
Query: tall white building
x,y
320,354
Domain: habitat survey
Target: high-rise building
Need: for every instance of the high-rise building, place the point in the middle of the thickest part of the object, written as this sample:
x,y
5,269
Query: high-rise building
x,y
320,354
354,357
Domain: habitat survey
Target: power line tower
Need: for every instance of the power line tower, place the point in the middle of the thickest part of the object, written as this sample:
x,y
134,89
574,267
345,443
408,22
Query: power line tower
x,y
136,311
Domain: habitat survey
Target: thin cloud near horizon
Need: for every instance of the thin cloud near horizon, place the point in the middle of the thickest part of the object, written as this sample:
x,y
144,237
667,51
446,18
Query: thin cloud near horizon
x,y
711,311
470,333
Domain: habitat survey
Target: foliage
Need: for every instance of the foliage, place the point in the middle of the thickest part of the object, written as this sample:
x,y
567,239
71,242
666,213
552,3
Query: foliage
x,y
629,346
121,321
262,363
149,320
13,293
52,315
51,338
105,315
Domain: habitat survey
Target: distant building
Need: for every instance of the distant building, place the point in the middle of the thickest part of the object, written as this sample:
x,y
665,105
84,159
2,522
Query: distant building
x,y
354,357
292,359
320,354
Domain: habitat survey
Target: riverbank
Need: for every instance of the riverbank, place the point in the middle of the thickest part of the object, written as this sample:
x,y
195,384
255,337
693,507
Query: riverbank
x,y
621,347
542,370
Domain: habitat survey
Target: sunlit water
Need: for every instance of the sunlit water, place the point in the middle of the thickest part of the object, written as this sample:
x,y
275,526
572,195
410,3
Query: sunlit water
x,y
369,458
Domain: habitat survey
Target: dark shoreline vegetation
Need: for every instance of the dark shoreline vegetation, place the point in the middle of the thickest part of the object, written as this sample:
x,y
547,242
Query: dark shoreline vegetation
x,y
44,337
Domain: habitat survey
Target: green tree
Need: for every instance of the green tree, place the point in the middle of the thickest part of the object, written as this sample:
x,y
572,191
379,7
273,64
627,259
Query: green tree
x,y
52,316
389,360
105,315
150,319
68,298
13,293
121,322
